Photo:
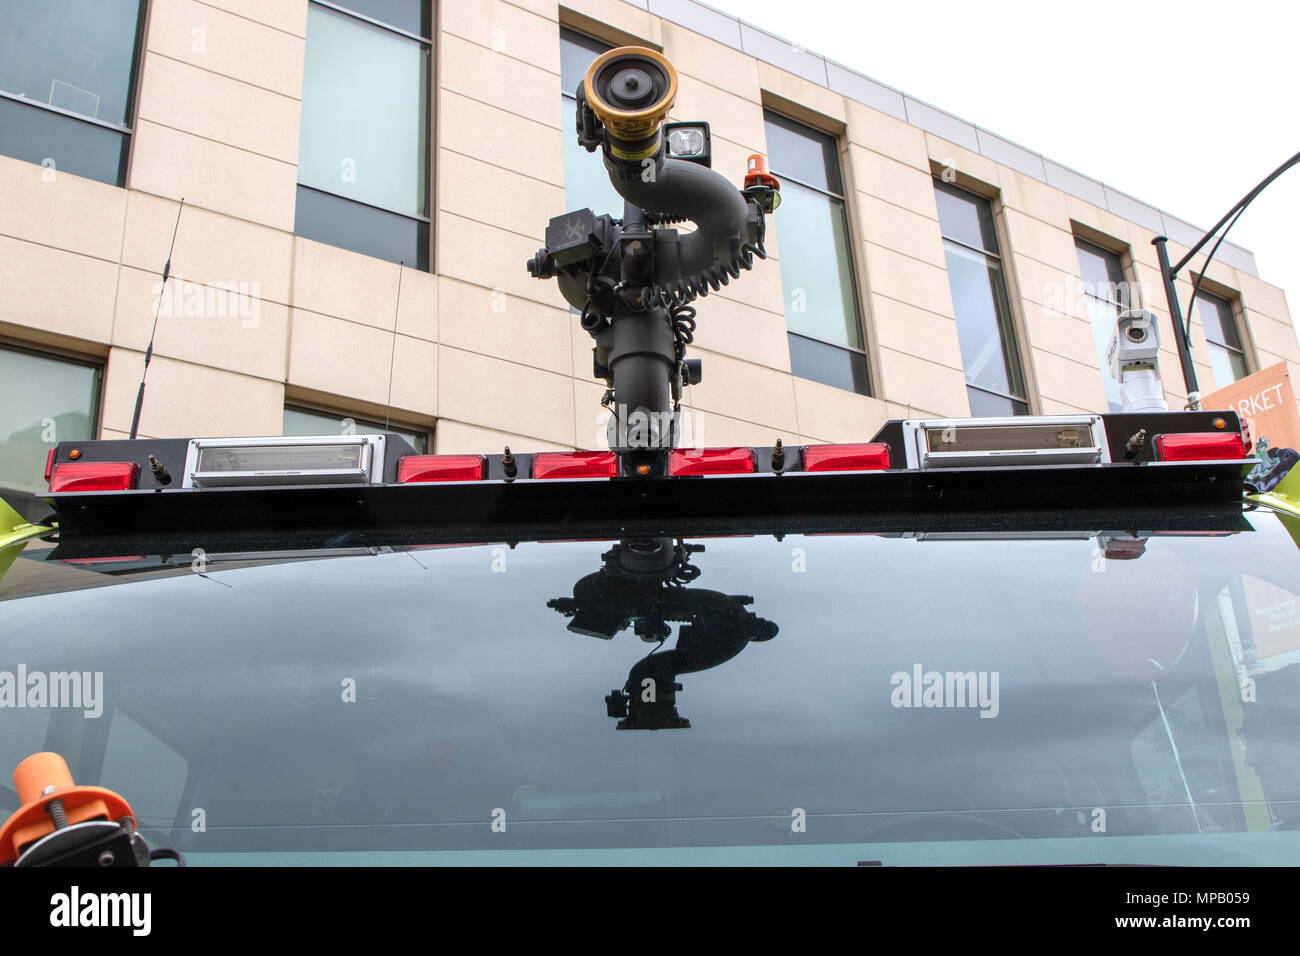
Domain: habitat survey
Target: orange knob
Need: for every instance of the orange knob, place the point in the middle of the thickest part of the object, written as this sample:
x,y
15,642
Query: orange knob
x,y
43,777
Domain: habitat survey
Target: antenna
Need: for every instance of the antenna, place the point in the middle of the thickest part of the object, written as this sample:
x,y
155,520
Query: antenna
x,y
392,358
148,353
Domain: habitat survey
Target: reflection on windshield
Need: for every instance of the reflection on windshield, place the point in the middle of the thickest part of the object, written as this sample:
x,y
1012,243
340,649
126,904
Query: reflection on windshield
x,y
1103,695
644,583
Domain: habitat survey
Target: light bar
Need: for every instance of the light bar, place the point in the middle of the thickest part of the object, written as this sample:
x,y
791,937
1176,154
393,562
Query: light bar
x,y
868,457
422,468
93,476
1072,439
328,459
1199,446
711,461
575,464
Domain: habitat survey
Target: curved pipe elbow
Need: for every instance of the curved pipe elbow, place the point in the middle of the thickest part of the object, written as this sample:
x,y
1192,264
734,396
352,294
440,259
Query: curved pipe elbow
x,y
686,190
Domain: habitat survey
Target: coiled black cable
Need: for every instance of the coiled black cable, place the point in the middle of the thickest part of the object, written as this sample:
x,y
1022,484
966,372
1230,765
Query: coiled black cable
x,y
683,321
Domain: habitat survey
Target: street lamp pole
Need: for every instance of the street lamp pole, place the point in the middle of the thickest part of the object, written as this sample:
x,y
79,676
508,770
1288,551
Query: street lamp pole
x,y
1169,274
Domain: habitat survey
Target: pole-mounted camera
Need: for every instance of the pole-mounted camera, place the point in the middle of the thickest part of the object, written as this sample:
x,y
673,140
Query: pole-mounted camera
x,y
633,278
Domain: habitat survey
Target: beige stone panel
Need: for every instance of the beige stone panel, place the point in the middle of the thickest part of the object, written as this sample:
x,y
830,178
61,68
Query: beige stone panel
x,y
1278,338
214,176
903,411
759,288
543,8
287,15
210,247
1141,250
57,209
1151,291
504,29
731,160
753,393
590,418
57,292
951,156
458,438
1103,221
1260,297
729,116
828,414
1047,285
233,46
201,324
417,311
1065,335
893,181
710,430
494,258
899,229
906,328
500,137
108,434
616,14
1069,381
338,282
796,89
504,396
341,358
415,376
715,63
189,401
494,323
1051,406
194,100
1218,272
905,279
743,332
1036,239
910,380
1173,378
580,346
1033,198
508,84
883,134
499,197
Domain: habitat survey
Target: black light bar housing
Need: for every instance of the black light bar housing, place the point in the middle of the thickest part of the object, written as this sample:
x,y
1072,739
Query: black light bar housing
x,y
154,517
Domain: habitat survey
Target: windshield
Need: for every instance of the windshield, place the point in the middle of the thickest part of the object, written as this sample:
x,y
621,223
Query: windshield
x,y
1107,695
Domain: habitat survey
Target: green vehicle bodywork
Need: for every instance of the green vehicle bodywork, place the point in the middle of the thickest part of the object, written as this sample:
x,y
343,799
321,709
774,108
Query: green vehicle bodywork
x,y
15,531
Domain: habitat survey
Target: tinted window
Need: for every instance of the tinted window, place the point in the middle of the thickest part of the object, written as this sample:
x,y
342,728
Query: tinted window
x,y
1106,294
74,55
965,217
364,137
46,400
1226,355
62,61
815,250
306,421
586,183
979,299
62,143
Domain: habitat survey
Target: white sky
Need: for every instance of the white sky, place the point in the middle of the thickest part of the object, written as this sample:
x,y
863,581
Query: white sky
x,y
1183,105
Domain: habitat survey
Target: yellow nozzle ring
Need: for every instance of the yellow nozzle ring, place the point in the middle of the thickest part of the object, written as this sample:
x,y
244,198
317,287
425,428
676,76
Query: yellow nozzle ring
x,y
631,125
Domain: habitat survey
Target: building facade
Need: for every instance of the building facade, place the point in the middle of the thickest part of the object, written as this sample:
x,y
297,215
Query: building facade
x,y
363,181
